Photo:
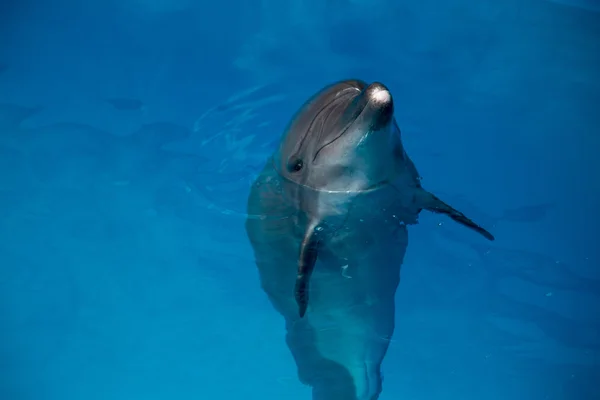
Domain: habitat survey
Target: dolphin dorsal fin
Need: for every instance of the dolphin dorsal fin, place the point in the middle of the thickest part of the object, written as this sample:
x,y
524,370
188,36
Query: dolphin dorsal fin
x,y
431,203
307,259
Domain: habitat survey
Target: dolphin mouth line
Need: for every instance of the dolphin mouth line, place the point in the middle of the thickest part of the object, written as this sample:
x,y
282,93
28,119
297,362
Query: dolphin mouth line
x,y
334,139
348,125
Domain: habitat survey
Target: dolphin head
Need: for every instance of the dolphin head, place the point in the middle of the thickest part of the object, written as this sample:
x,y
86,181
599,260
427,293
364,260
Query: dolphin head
x,y
343,139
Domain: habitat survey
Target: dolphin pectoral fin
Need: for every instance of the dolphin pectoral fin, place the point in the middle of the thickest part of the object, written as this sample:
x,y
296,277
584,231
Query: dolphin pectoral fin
x,y
430,202
306,265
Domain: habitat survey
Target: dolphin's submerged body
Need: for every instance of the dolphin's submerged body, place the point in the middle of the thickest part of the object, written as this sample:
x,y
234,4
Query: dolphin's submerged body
x,y
327,219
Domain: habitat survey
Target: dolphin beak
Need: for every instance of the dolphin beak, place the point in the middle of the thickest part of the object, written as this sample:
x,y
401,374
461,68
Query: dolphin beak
x,y
375,105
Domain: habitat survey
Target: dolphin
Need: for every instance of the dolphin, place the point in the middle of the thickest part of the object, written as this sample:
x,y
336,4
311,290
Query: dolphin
x,y
327,220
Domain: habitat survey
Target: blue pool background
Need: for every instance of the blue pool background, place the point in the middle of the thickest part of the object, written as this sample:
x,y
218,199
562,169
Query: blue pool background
x,y
130,132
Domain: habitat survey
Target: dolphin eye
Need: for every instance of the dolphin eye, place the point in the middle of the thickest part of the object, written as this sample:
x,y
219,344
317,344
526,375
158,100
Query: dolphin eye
x,y
295,165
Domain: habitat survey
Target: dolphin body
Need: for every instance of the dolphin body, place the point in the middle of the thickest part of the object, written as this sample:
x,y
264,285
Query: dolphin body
x,y
327,220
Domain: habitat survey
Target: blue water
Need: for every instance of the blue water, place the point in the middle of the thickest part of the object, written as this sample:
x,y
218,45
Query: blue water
x,y
131,130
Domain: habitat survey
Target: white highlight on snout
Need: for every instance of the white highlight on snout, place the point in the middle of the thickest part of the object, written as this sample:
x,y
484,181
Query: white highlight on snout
x,y
381,96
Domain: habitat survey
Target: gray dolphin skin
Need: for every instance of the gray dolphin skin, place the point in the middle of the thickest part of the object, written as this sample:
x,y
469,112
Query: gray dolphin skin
x,y
327,220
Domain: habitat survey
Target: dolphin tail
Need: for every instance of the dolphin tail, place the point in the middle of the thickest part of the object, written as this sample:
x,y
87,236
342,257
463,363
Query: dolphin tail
x,y
430,202
306,264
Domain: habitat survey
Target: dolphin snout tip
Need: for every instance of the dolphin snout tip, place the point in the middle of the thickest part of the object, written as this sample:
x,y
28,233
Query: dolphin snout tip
x,y
379,100
379,94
